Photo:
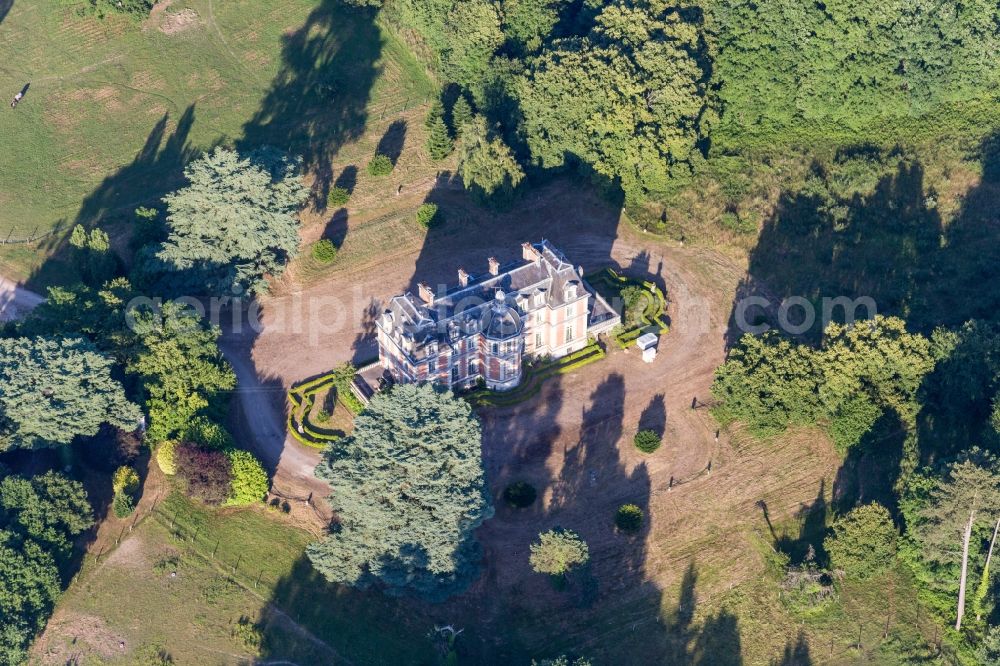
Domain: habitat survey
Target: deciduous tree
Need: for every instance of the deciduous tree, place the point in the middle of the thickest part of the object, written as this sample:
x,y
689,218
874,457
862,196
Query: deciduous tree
x,y
863,543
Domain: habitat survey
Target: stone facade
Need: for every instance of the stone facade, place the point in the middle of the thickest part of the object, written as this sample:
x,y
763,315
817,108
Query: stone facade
x,y
484,327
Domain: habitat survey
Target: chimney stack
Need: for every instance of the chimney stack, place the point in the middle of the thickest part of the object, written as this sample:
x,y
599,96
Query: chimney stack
x,y
529,253
426,293
494,266
463,278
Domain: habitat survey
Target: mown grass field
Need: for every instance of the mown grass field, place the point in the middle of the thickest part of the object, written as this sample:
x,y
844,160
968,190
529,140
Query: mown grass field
x,y
727,607
226,565
116,107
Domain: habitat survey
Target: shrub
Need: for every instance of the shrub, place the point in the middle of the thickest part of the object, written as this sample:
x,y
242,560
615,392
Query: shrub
x,y
427,215
206,471
125,480
863,543
104,8
737,224
248,480
380,165
628,518
520,494
322,416
122,505
337,197
557,551
152,655
647,441
324,251
249,634
166,457
207,433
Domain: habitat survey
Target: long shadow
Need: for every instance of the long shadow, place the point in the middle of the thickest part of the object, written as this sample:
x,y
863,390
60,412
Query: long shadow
x,y
5,6
822,243
348,178
155,170
807,545
319,98
871,467
893,245
391,143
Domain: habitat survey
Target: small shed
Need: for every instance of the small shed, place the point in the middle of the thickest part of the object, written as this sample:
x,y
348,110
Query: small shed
x,y
647,343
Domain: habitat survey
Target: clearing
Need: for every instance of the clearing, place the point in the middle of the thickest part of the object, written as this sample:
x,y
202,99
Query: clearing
x,y
706,547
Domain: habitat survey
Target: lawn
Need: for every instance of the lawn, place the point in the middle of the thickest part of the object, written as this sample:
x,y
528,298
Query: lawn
x,y
115,108
182,580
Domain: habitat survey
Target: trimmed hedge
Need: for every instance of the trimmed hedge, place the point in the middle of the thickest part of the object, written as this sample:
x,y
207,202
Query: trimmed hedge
x,y
303,397
652,317
531,382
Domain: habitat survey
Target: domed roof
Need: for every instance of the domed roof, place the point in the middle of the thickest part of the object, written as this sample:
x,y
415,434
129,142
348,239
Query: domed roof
x,y
499,321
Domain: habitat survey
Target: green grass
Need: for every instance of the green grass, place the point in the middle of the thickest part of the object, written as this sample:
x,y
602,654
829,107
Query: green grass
x,y
230,564
116,107
652,319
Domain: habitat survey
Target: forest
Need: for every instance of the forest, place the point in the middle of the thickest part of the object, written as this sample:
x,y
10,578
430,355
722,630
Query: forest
x,y
696,82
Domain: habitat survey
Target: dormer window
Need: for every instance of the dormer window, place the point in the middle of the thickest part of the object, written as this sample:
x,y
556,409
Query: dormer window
x,y
539,298
569,291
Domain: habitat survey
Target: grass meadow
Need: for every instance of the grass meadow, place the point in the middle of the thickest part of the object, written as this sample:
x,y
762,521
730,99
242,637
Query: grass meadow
x,y
116,107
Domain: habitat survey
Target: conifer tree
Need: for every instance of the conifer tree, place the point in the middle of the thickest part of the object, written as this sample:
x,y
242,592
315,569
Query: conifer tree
x,y
409,490
439,144
487,165
236,220
461,115
54,390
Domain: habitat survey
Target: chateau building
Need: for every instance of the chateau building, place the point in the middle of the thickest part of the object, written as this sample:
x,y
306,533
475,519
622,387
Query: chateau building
x,y
485,326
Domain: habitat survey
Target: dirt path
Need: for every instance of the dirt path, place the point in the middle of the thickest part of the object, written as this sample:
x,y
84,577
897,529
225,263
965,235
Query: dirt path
x,y
15,300
311,329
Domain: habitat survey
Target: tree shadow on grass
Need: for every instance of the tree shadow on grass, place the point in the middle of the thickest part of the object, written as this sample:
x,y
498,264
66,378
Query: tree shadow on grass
x,y
807,544
391,143
156,170
891,245
319,98
872,467
5,6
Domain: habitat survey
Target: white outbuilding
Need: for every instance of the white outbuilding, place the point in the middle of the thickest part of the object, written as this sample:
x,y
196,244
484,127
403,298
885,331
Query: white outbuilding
x,y
647,344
